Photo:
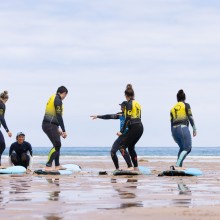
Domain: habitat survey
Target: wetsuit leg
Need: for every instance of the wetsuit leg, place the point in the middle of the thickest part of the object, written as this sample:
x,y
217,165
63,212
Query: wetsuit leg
x,y
115,148
137,131
2,145
183,138
53,134
15,159
123,147
25,159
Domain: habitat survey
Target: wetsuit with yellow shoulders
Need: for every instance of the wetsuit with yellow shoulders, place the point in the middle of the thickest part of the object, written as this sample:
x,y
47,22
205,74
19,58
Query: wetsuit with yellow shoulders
x,y
181,116
132,115
51,122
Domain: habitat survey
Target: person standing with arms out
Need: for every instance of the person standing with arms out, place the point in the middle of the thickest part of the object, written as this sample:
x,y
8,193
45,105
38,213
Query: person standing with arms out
x,y
181,116
20,152
3,100
135,129
51,122
116,144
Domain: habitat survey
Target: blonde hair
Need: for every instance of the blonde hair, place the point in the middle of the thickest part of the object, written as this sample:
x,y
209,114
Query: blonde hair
x,y
4,95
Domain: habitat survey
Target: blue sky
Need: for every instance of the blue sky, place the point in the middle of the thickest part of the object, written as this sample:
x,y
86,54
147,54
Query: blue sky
x,y
95,48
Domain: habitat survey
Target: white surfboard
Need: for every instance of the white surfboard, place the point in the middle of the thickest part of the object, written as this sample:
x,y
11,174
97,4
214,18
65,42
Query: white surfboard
x,y
70,169
13,170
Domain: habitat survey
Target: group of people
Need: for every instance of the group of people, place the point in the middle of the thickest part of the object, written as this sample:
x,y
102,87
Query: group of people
x,y
20,152
131,130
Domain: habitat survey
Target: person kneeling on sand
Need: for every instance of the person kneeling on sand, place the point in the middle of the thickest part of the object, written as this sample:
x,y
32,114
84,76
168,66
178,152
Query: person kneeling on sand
x,y
20,152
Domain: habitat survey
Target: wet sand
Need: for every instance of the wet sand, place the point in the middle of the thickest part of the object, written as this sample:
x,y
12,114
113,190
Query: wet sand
x,y
88,195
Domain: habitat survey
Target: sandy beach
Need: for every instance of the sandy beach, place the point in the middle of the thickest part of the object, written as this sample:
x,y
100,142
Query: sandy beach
x,y
88,195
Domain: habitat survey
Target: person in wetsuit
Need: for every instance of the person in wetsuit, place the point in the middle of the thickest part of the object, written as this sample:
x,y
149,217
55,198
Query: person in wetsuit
x,y
20,152
132,114
3,100
50,125
180,117
116,144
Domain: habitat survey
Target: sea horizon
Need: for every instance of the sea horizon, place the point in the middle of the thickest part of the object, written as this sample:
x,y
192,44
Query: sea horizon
x,y
141,151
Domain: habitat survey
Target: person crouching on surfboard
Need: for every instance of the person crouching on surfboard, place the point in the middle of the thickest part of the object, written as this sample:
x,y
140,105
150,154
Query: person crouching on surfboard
x,y
20,152
135,129
181,115
116,144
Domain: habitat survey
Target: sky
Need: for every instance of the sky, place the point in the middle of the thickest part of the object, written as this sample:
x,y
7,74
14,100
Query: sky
x,y
95,48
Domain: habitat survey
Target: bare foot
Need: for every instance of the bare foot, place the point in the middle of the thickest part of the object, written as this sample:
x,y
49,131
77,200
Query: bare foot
x,y
130,168
2,167
60,168
136,169
49,169
179,168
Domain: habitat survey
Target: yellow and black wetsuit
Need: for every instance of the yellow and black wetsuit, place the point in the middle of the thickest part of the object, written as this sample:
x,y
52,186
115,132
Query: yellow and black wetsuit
x,y
181,114
180,117
2,122
135,130
52,120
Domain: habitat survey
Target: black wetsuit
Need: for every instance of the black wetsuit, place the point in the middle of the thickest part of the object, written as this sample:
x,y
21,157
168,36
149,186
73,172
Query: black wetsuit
x,y
135,131
19,153
51,122
3,123
116,144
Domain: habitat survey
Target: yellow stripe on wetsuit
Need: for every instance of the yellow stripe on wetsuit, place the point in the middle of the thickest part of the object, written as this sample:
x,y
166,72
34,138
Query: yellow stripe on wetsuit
x,y
135,111
178,113
50,112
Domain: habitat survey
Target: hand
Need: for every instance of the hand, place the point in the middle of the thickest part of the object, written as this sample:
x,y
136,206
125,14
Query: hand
x,y
64,135
93,117
194,133
28,170
9,134
119,133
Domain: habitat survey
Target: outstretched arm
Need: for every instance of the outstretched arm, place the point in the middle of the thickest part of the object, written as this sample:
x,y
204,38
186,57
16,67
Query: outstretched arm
x,y
106,117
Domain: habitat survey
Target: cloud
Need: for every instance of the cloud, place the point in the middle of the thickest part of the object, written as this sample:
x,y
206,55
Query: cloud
x,y
95,48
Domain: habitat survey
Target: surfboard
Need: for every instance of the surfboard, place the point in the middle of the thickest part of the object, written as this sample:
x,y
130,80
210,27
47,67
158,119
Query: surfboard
x,y
13,170
70,169
142,171
187,172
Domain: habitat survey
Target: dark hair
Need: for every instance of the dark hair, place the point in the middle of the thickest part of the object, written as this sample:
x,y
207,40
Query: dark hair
x,y
4,95
181,95
62,89
129,92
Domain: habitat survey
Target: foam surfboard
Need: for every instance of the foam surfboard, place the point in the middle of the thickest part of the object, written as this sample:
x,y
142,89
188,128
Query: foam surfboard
x,y
142,171
70,169
186,172
13,170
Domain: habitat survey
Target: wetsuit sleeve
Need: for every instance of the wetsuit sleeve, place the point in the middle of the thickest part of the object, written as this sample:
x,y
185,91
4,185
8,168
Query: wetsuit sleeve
x,y
2,118
190,117
110,116
58,109
128,111
30,149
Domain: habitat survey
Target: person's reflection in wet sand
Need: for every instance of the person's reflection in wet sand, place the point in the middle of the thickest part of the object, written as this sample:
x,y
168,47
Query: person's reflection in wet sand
x,y
185,198
54,195
125,193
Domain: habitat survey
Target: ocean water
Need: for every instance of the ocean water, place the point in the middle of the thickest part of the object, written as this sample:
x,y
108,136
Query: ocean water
x,y
141,151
